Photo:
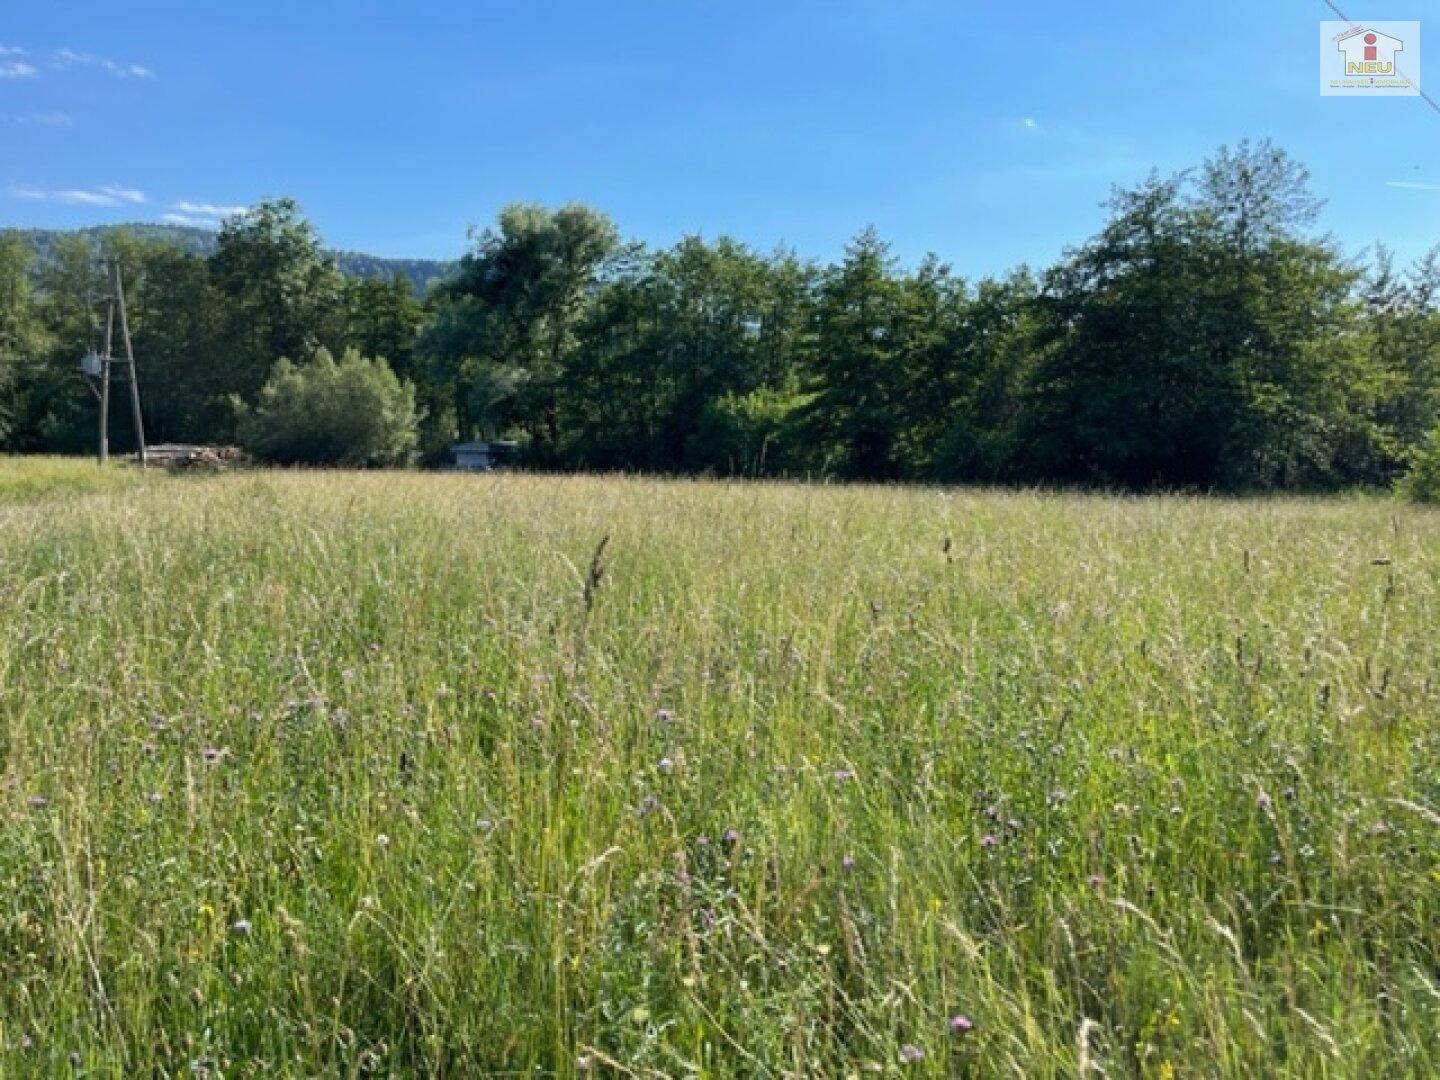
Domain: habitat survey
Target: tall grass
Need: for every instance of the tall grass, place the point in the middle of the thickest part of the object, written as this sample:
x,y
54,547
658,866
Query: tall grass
x,y
331,774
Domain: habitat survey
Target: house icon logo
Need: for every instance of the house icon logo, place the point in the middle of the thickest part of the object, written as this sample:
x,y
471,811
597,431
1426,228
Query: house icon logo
x,y
1377,59
1369,52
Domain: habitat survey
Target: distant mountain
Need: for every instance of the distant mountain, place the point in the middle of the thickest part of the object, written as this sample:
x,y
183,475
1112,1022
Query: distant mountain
x,y
421,273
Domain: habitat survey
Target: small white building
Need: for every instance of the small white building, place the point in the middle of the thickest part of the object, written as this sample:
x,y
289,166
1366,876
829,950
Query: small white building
x,y
481,456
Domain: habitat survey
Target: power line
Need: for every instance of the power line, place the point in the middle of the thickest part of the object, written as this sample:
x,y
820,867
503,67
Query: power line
x,y
1346,18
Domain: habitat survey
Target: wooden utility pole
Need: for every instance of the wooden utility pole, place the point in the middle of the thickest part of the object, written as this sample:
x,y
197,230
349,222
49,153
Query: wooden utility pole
x,y
115,306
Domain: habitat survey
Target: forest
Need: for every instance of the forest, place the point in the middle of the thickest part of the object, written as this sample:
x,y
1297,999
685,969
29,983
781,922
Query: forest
x,y
1206,338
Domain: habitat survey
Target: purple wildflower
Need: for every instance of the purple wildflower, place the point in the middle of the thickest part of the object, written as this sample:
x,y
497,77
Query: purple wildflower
x,y
848,862
731,835
988,840
664,715
37,801
911,1052
961,1023
213,754
844,774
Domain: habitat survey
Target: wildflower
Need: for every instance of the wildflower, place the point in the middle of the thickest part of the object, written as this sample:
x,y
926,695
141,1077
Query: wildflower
x,y
155,797
213,754
911,1052
842,775
848,862
1095,880
665,765
1263,801
731,836
37,801
241,928
649,804
664,715
989,840
382,841
961,1023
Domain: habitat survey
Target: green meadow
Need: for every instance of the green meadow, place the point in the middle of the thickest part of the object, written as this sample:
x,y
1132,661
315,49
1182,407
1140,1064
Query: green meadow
x,y
386,773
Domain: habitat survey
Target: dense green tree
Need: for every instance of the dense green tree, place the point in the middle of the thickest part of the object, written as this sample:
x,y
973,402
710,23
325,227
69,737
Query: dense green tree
x,y
282,295
858,412
177,318
1201,341
681,330
22,339
383,318
507,323
967,408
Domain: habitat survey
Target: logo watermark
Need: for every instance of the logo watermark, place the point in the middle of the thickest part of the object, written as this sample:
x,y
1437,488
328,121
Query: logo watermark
x,y
1378,59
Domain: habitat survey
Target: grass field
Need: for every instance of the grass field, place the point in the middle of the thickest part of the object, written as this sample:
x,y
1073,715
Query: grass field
x,y
338,774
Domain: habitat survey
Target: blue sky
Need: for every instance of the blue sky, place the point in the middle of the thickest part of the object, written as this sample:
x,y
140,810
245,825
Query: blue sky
x,y
986,132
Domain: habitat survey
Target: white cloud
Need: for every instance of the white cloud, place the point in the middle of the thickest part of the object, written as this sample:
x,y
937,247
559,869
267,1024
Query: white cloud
x,y
65,58
1412,185
41,119
11,50
190,220
1029,123
199,215
209,209
16,69
109,195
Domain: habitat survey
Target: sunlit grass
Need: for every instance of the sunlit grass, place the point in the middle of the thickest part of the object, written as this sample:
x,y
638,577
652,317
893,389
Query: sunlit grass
x,y
315,773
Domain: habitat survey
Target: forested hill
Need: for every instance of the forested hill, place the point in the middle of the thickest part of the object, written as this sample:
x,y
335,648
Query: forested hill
x,y
419,272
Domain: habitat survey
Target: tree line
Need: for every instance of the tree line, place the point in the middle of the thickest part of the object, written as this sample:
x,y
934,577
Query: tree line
x,y
1204,338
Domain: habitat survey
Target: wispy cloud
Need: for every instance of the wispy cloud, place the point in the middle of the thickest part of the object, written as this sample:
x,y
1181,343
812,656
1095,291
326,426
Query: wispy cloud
x,y
198,215
17,69
1029,123
66,58
1412,185
189,220
209,209
11,50
40,119
109,195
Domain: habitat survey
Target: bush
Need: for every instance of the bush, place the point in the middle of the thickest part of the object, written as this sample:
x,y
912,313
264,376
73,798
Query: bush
x,y
355,412
1422,482
748,434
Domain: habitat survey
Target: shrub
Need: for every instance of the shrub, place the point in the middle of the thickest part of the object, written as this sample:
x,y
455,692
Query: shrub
x,y
1422,482
354,412
748,434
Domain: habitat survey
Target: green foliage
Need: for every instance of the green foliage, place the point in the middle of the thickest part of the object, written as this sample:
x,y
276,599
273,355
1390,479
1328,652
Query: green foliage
x,y
22,341
752,434
509,316
283,296
1200,341
671,336
354,412
1203,338
1421,483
